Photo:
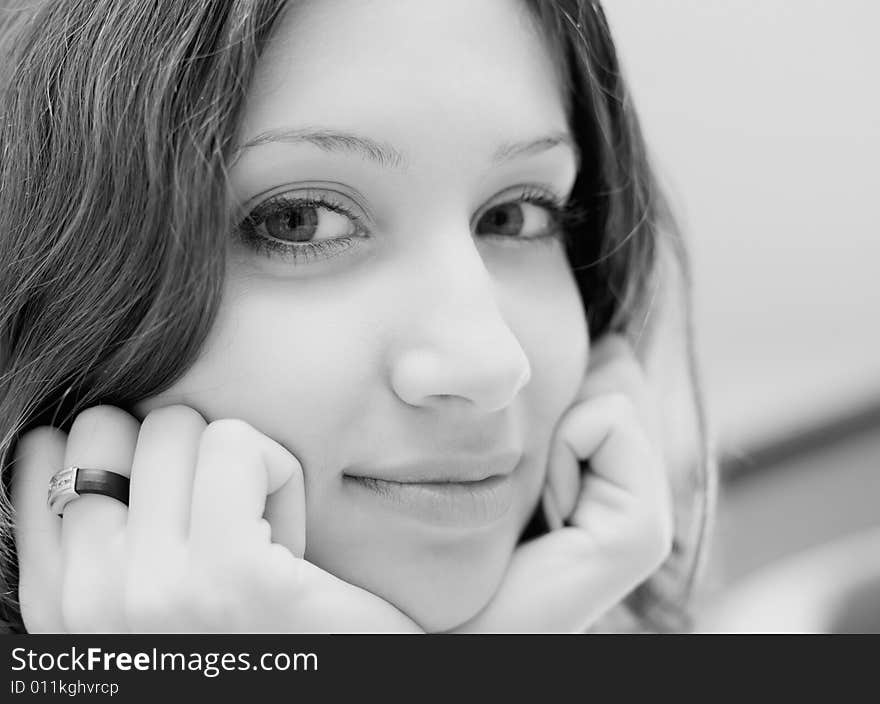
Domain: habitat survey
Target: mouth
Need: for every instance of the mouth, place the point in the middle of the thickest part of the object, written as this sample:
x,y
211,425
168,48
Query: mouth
x,y
464,469
446,501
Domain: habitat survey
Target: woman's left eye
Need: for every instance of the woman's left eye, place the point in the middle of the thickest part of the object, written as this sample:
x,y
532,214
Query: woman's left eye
x,y
519,219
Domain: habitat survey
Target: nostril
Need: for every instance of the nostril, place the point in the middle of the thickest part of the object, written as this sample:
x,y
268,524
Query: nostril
x,y
498,384
490,382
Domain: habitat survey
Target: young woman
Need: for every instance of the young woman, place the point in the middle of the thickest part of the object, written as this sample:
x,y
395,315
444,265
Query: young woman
x,y
377,304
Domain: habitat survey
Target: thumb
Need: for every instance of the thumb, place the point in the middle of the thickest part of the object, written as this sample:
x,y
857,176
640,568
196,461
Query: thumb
x,y
286,511
563,477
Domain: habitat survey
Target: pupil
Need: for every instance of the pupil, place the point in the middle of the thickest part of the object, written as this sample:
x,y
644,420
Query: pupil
x,y
295,224
506,219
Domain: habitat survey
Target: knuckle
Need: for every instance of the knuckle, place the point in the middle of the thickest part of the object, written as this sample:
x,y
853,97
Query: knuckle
x,y
228,430
175,415
42,436
620,407
95,417
104,435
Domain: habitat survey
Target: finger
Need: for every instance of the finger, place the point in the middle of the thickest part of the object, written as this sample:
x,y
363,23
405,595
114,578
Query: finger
x,y
621,520
606,431
551,508
162,478
602,376
625,495
102,437
563,481
92,535
624,377
237,468
614,368
286,513
39,454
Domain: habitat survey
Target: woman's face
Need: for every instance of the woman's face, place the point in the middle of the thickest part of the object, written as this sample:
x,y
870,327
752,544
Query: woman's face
x,y
398,310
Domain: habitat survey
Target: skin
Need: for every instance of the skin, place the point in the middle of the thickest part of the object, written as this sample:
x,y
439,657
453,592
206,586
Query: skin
x,y
426,339
423,340
192,551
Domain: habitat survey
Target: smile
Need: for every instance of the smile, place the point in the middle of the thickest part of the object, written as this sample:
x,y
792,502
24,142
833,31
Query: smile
x,y
451,504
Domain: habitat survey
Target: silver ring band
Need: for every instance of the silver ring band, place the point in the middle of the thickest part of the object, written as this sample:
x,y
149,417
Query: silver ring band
x,y
72,482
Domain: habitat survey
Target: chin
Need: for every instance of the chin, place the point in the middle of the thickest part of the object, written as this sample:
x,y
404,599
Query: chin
x,y
441,612
439,578
448,587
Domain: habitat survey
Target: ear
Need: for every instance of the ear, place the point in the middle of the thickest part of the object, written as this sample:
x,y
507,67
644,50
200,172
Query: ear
x,y
39,454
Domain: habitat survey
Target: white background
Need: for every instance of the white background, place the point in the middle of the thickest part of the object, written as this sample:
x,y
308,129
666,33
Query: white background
x,y
764,118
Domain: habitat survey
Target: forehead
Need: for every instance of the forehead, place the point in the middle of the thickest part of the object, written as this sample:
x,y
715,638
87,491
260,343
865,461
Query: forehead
x,y
408,71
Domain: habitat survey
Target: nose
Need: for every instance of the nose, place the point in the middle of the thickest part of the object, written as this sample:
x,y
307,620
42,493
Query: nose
x,y
458,344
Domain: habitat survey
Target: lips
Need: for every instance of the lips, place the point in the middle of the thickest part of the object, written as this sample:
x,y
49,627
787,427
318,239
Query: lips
x,y
460,493
455,469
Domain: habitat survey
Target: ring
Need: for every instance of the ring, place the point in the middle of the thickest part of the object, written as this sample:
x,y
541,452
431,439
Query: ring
x,y
72,482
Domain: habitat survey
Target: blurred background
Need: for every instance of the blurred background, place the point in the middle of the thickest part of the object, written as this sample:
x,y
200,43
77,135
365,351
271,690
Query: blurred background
x,y
764,120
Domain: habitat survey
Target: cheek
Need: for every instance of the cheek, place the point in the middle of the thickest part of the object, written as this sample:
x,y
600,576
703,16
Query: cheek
x,y
286,364
548,317
308,367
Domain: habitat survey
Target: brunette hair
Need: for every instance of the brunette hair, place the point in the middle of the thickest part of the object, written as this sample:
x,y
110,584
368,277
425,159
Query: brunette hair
x,y
117,124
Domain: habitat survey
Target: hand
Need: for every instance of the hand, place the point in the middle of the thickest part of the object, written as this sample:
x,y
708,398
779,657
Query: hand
x,y
193,551
618,513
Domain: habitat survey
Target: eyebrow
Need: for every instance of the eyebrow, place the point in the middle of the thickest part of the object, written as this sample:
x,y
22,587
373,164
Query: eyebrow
x,y
331,141
387,155
516,150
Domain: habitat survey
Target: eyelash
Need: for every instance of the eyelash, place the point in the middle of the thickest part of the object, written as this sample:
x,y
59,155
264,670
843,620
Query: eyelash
x,y
303,252
562,214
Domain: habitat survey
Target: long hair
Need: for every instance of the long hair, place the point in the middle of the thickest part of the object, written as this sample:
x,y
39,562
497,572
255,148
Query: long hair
x,y
620,256
117,125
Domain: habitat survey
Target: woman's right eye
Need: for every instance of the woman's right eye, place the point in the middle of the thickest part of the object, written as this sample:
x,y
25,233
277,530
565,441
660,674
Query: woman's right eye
x,y
300,229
